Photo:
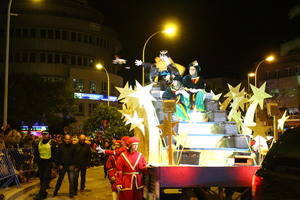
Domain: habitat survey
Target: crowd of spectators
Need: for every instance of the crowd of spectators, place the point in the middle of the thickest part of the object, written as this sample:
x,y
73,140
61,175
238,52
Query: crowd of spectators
x,y
19,147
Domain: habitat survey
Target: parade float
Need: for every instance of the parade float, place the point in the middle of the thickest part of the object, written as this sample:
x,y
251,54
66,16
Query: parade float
x,y
193,140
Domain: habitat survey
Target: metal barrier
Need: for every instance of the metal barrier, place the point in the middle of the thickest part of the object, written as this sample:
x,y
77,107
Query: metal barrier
x,y
8,175
16,165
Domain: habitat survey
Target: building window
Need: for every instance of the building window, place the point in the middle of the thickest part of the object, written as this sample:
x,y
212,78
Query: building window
x,y
85,61
42,57
57,34
64,35
79,37
80,109
104,86
43,33
24,57
73,60
32,57
25,33
17,57
64,59
91,39
73,36
57,59
50,58
97,41
50,34
85,38
93,87
92,107
79,60
32,33
78,85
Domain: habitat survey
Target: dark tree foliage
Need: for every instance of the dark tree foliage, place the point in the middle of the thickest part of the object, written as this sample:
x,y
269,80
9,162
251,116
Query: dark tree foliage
x,y
33,99
110,116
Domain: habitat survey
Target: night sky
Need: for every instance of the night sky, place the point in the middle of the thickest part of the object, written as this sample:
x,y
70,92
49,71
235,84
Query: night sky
x,y
227,37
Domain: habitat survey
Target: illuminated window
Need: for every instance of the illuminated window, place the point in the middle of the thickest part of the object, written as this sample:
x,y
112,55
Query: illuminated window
x,y
78,85
93,87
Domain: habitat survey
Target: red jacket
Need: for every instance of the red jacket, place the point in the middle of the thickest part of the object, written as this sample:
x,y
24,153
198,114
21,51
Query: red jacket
x,y
116,152
130,167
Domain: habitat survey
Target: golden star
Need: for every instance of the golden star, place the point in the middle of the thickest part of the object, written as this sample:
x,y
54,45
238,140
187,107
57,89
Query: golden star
x,y
167,127
259,94
282,120
260,130
233,91
143,95
124,92
134,121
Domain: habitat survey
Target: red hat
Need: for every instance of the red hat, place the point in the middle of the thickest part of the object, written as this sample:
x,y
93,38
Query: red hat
x,y
125,138
132,140
118,142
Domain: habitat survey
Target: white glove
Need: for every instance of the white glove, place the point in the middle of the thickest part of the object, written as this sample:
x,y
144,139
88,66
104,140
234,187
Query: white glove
x,y
138,62
99,149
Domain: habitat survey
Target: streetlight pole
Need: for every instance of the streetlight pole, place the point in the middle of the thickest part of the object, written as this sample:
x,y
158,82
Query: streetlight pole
x,y
6,64
143,72
255,77
100,66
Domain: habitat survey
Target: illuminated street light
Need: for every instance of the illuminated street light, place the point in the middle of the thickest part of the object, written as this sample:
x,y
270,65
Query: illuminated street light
x,y
268,59
170,30
6,68
99,66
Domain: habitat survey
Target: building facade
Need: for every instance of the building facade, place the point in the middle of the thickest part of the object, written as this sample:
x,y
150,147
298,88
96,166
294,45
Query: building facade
x,y
62,40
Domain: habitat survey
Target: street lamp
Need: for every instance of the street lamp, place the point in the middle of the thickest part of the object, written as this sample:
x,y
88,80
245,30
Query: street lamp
x,y
6,70
170,30
100,66
268,59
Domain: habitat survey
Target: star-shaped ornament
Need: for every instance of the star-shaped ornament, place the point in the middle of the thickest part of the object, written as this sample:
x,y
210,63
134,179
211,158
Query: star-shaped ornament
x,y
134,121
124,92
259,94
167,127
214,96
260,130
143,95
282,120
233,91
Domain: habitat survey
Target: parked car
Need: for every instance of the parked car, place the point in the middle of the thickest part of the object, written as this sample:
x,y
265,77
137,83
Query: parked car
x,y
279,175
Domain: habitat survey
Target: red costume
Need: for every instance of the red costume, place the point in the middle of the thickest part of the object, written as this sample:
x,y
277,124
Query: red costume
x,y
130,166
118,151
111,168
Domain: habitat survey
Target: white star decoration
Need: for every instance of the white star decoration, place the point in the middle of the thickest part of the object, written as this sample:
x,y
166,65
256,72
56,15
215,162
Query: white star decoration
x,y
135,121
282,120
259,94
143,95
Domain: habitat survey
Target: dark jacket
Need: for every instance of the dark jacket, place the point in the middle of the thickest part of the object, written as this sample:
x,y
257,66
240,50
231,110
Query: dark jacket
x,y
82,155
187,82
65,154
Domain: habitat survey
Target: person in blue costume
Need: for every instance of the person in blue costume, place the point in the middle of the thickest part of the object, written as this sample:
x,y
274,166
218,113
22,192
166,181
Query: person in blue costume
x,y
176,92
195,85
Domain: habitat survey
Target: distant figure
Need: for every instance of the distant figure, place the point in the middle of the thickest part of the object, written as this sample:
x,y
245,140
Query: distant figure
x,y
130,166
44,157
82,161
65,161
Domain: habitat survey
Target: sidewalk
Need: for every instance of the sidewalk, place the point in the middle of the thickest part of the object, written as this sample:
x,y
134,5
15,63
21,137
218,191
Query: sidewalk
x,y
97,188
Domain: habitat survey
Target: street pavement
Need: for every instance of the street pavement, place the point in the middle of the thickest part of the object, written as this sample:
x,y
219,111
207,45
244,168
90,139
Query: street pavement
x,y
97,188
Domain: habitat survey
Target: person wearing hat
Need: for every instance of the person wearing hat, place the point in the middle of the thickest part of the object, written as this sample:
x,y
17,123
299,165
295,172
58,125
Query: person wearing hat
x,y
130,167
195,86
176,91
111,169
44,153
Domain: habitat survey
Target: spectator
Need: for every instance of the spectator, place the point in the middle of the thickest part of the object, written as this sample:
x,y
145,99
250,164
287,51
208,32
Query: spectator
x,y
65,161
82,161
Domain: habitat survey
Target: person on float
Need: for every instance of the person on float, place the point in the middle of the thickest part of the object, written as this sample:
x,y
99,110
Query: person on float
x,y
116,151
131,165
195,85
111,167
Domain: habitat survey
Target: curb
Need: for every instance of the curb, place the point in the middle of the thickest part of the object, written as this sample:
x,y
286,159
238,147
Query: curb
x,y
20,190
